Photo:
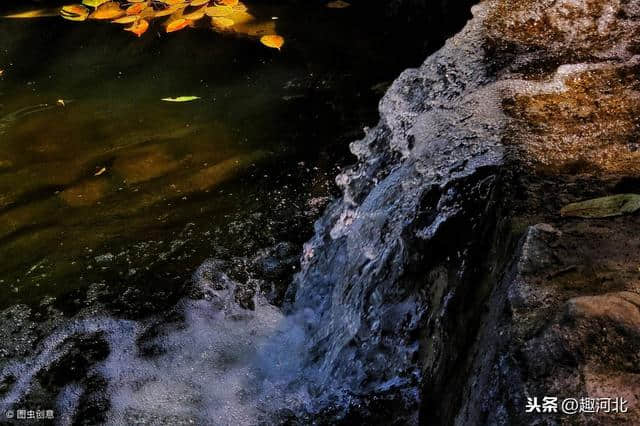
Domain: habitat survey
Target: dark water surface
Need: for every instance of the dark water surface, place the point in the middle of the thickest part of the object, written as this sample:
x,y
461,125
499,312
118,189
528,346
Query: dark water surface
x,y
263,140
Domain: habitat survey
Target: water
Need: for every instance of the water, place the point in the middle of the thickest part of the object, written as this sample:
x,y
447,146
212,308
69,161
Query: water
x,y
261,114
110,199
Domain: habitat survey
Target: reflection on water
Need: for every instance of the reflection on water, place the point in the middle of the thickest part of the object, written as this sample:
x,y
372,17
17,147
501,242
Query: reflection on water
x,y
114,173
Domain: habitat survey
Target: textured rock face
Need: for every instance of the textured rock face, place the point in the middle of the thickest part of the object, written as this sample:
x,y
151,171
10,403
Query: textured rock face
x,y
444,287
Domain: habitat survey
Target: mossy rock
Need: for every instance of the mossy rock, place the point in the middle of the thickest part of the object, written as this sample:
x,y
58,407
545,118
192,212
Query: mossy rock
x,y
615,205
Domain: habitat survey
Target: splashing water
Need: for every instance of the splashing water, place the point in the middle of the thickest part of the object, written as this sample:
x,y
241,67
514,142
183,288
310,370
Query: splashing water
x,y
219,364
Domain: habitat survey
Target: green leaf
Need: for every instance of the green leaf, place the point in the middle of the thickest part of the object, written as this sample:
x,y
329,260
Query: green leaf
x,y
615,205
93,3
181,99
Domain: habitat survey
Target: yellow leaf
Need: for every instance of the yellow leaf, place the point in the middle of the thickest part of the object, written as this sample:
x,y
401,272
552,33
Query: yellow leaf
x,y
177,25
181,99
222,23
227,2
93,3
170,10
74,12
272,41
174,2
38,13
338,4
197,3
126,20
139,27
196,14
239,8
109,10
217,11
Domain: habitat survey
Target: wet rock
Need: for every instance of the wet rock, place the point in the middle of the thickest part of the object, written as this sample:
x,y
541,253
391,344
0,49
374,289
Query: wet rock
x,y
445,279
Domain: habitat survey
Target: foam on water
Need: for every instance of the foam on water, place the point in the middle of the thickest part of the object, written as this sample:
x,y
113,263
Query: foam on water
x,y
220,364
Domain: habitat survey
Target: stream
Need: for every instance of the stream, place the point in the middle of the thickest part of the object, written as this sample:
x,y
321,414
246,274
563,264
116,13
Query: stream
x,y
146,247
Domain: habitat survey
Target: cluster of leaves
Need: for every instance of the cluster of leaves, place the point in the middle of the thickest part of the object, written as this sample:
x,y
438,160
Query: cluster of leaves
x,y
136,15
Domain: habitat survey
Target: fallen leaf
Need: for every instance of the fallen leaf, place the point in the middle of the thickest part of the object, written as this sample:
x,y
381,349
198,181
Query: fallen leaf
x,y
196,14
177,25
272,41
38,13
173,2
109,10
74,12
126,19
1,73
338,4
196,3
139,27
240,8
181,99
218,11
94,3
100,172
227,2
169,10
136,9
222,23
615,205
60,102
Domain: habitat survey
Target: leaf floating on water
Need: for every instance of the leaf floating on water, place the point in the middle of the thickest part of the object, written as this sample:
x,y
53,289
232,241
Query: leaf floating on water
x,y
74,12
218,11
222,23
240,8
136,9
177,25
338,4
126,19
38,13
170,10
109,10
227,2
272,41
94,3
139,27
615,205
196,14
181,99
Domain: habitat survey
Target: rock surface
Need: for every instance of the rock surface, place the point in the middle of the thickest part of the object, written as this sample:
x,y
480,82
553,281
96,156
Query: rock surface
x,y
444,286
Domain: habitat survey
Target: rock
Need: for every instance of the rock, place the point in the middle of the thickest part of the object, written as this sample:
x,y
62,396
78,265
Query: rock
x,y
444,281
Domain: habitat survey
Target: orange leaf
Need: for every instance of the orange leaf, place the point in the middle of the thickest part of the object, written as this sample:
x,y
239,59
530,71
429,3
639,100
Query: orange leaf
x,y
136,8
177,25
110,10
272,41
139,27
